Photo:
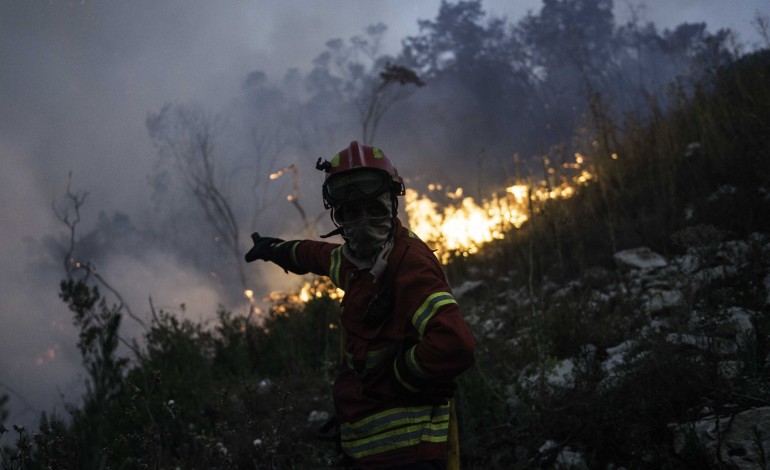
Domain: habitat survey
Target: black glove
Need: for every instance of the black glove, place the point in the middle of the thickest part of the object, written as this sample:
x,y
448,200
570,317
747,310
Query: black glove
x,y
275,250
264,248
420,388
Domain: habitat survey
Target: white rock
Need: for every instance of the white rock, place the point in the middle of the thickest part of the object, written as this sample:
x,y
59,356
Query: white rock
x,y
729,369
548,446
720,346
623,347
466,287
688,263
221,448
563,374
660,299
570,459
735,251
732,441
714,274
264,385
741,318
692,149
640,258
318,417
723,191
491,327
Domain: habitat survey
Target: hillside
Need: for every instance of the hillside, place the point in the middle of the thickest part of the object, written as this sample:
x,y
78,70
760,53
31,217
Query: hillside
x,y
626,326
634,317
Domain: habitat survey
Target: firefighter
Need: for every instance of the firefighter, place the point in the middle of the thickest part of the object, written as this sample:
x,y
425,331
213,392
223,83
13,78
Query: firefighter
x,y
405,341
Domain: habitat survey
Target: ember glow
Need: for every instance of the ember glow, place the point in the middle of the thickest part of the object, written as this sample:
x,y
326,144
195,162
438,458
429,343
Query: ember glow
x,y
462,225
283,301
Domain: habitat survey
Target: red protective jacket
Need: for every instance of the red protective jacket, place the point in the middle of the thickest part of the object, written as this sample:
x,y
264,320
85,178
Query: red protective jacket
x,y
389,415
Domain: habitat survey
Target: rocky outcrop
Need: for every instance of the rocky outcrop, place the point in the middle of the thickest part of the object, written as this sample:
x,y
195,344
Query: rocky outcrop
x,y
739,440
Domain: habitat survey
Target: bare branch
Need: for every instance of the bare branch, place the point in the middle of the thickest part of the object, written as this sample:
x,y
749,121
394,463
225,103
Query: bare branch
x,y
71,221
294,197
76,200
374,105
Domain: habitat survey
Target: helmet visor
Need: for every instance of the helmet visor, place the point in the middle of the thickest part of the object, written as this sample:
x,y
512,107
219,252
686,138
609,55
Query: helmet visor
x,y
355,185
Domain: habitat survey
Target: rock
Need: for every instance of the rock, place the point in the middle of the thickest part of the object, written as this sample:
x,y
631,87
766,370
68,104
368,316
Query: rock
x,y
467,288
491,327
640,258
737,441
563,374
719,346
722,192
734,323
570,459
729,370
688,263
692,149
716,273
317,417
559,375
656,299
740,320
566,458
264,386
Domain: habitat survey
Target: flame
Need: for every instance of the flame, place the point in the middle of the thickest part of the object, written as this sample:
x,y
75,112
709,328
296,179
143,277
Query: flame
x,y
463,225
284,301
463,228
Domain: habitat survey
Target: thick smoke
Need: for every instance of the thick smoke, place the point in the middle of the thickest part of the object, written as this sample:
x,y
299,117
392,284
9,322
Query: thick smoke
x,y
99,89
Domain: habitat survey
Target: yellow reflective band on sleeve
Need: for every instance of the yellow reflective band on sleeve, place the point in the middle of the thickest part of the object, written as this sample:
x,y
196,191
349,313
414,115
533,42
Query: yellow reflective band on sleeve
x,y
429,308
292,250
413,365
377,153
334,267
395,429
294,254
335,161
403,382
374,358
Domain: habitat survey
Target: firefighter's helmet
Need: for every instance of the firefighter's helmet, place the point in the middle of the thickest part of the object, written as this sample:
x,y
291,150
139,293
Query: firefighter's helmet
x,y
358,172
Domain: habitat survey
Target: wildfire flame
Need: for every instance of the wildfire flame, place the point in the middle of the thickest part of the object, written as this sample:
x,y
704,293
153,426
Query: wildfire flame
x,y
285,301
462,226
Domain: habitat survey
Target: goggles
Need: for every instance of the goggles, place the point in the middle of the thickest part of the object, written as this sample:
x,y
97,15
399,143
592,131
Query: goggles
x,y
355,186
369,210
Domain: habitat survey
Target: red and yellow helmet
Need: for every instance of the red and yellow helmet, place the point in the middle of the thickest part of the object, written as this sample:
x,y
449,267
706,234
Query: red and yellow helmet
x,y
358,172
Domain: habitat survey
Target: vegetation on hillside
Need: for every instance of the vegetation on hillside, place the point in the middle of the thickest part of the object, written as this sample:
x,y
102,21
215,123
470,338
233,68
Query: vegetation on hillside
x,y
685,181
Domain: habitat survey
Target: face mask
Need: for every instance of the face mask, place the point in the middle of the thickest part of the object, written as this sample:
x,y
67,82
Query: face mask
x,y
367,236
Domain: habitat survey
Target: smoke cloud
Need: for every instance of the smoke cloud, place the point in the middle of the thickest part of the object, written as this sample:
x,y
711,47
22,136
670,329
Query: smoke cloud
x,y
79,80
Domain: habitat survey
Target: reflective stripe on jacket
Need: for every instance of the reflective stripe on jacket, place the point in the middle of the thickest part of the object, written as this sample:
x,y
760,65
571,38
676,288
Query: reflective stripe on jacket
x,y
395,428
381,426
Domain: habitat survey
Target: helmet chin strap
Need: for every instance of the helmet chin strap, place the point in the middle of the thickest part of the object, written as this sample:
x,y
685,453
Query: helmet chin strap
x,y
336,231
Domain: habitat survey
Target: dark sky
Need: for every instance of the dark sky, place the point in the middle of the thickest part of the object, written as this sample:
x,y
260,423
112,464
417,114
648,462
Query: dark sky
x,y
77,80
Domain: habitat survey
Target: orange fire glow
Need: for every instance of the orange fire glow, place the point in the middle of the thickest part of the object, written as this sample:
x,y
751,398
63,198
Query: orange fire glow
x,y
463,225
284,301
